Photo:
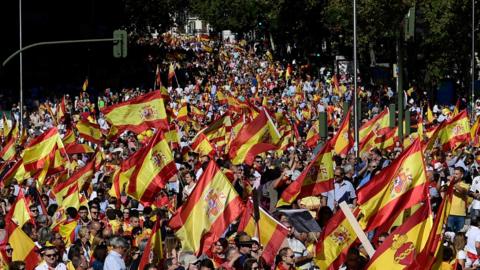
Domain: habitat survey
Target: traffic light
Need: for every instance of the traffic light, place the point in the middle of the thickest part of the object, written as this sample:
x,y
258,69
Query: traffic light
x,y
120,44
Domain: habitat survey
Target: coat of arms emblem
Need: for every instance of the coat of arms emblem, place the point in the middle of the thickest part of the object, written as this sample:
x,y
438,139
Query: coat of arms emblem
x,y
404,250
215,202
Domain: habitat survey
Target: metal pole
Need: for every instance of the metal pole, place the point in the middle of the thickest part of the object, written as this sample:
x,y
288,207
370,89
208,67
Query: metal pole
x,y
21,63
473,60
355,97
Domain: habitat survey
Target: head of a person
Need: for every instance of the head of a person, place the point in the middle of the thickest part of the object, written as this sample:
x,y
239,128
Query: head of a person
x,y
83,213
286,256
459,241
16,265
250,264
150,266
244,244
100,252
381,238
339,174
134,221
94,212
458,173
72,212
33,210
205,264
188,260
119,244
220,246
50,256
9,250
170,264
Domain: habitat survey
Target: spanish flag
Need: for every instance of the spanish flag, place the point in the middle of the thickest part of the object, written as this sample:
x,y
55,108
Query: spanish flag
x,y
79,178
221,97
61,110
8,148
475,133
397,187
173,136
430,117
123,174
16,171
202,146
343,140
154,246
41,149
6,128
336,85
156,166
387,140
138,114
219,130
69,138
402,246
182,115
315,179
20,213
85,84
209,210
89,131
78,148
171,73
24,249
456,110
313,135
378,124
455,132
334,242
272,233
254,138
431,254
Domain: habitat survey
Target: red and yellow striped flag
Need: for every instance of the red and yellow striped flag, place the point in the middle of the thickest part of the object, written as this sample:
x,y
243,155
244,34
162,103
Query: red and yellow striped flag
x,y
202,146
24,249
89,131
69,138
315,179
154,246
378,124
20,213
254,138
430,255
343,140
6,128
9,146
334,242
209,210
171,73
272,233
182,115
138,114
475,133
79,178
41,149
313,135
401,247
123,174
455,132
156,166
430,116
78,148
397,187
61,110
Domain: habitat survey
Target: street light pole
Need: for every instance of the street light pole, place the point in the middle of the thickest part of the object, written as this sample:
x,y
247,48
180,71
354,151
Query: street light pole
x,y
355,95
473,60
21,62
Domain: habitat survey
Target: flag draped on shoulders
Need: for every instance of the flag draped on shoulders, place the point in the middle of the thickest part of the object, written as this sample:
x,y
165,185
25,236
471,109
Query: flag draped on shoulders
x,y
154,168
315,179
138,114
401,247
271,235
211,207
397,187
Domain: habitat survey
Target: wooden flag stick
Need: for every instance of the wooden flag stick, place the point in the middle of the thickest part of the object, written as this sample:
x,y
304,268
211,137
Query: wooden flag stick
x,y
358,230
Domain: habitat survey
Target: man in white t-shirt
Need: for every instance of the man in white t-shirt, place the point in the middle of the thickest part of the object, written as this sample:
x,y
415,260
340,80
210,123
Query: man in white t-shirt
x,y
475,190
473,243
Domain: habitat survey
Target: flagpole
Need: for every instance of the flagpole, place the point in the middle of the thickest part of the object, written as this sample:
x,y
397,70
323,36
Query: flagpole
x,y
355,94
21,62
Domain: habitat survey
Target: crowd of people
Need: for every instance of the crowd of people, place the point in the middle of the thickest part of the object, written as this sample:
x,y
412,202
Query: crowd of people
x,y
112,231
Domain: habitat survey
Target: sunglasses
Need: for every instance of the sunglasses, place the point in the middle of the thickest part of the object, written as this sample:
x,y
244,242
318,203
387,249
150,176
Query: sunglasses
x,y
292,256
51,255
94,213
9,250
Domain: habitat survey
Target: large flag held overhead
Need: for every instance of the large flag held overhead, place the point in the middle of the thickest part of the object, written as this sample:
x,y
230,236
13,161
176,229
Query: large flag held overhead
x,y
272,233
254,138
379,124
315,179
89,131
343,140
153,170
396,188
211,207
455,132
41,149
400,248
475,133
138,114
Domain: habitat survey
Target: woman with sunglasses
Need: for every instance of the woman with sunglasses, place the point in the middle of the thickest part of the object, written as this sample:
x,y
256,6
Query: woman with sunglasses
x,y
285,259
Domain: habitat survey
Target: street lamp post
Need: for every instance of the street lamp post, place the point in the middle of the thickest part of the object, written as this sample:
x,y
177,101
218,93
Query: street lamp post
x,y
355,94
